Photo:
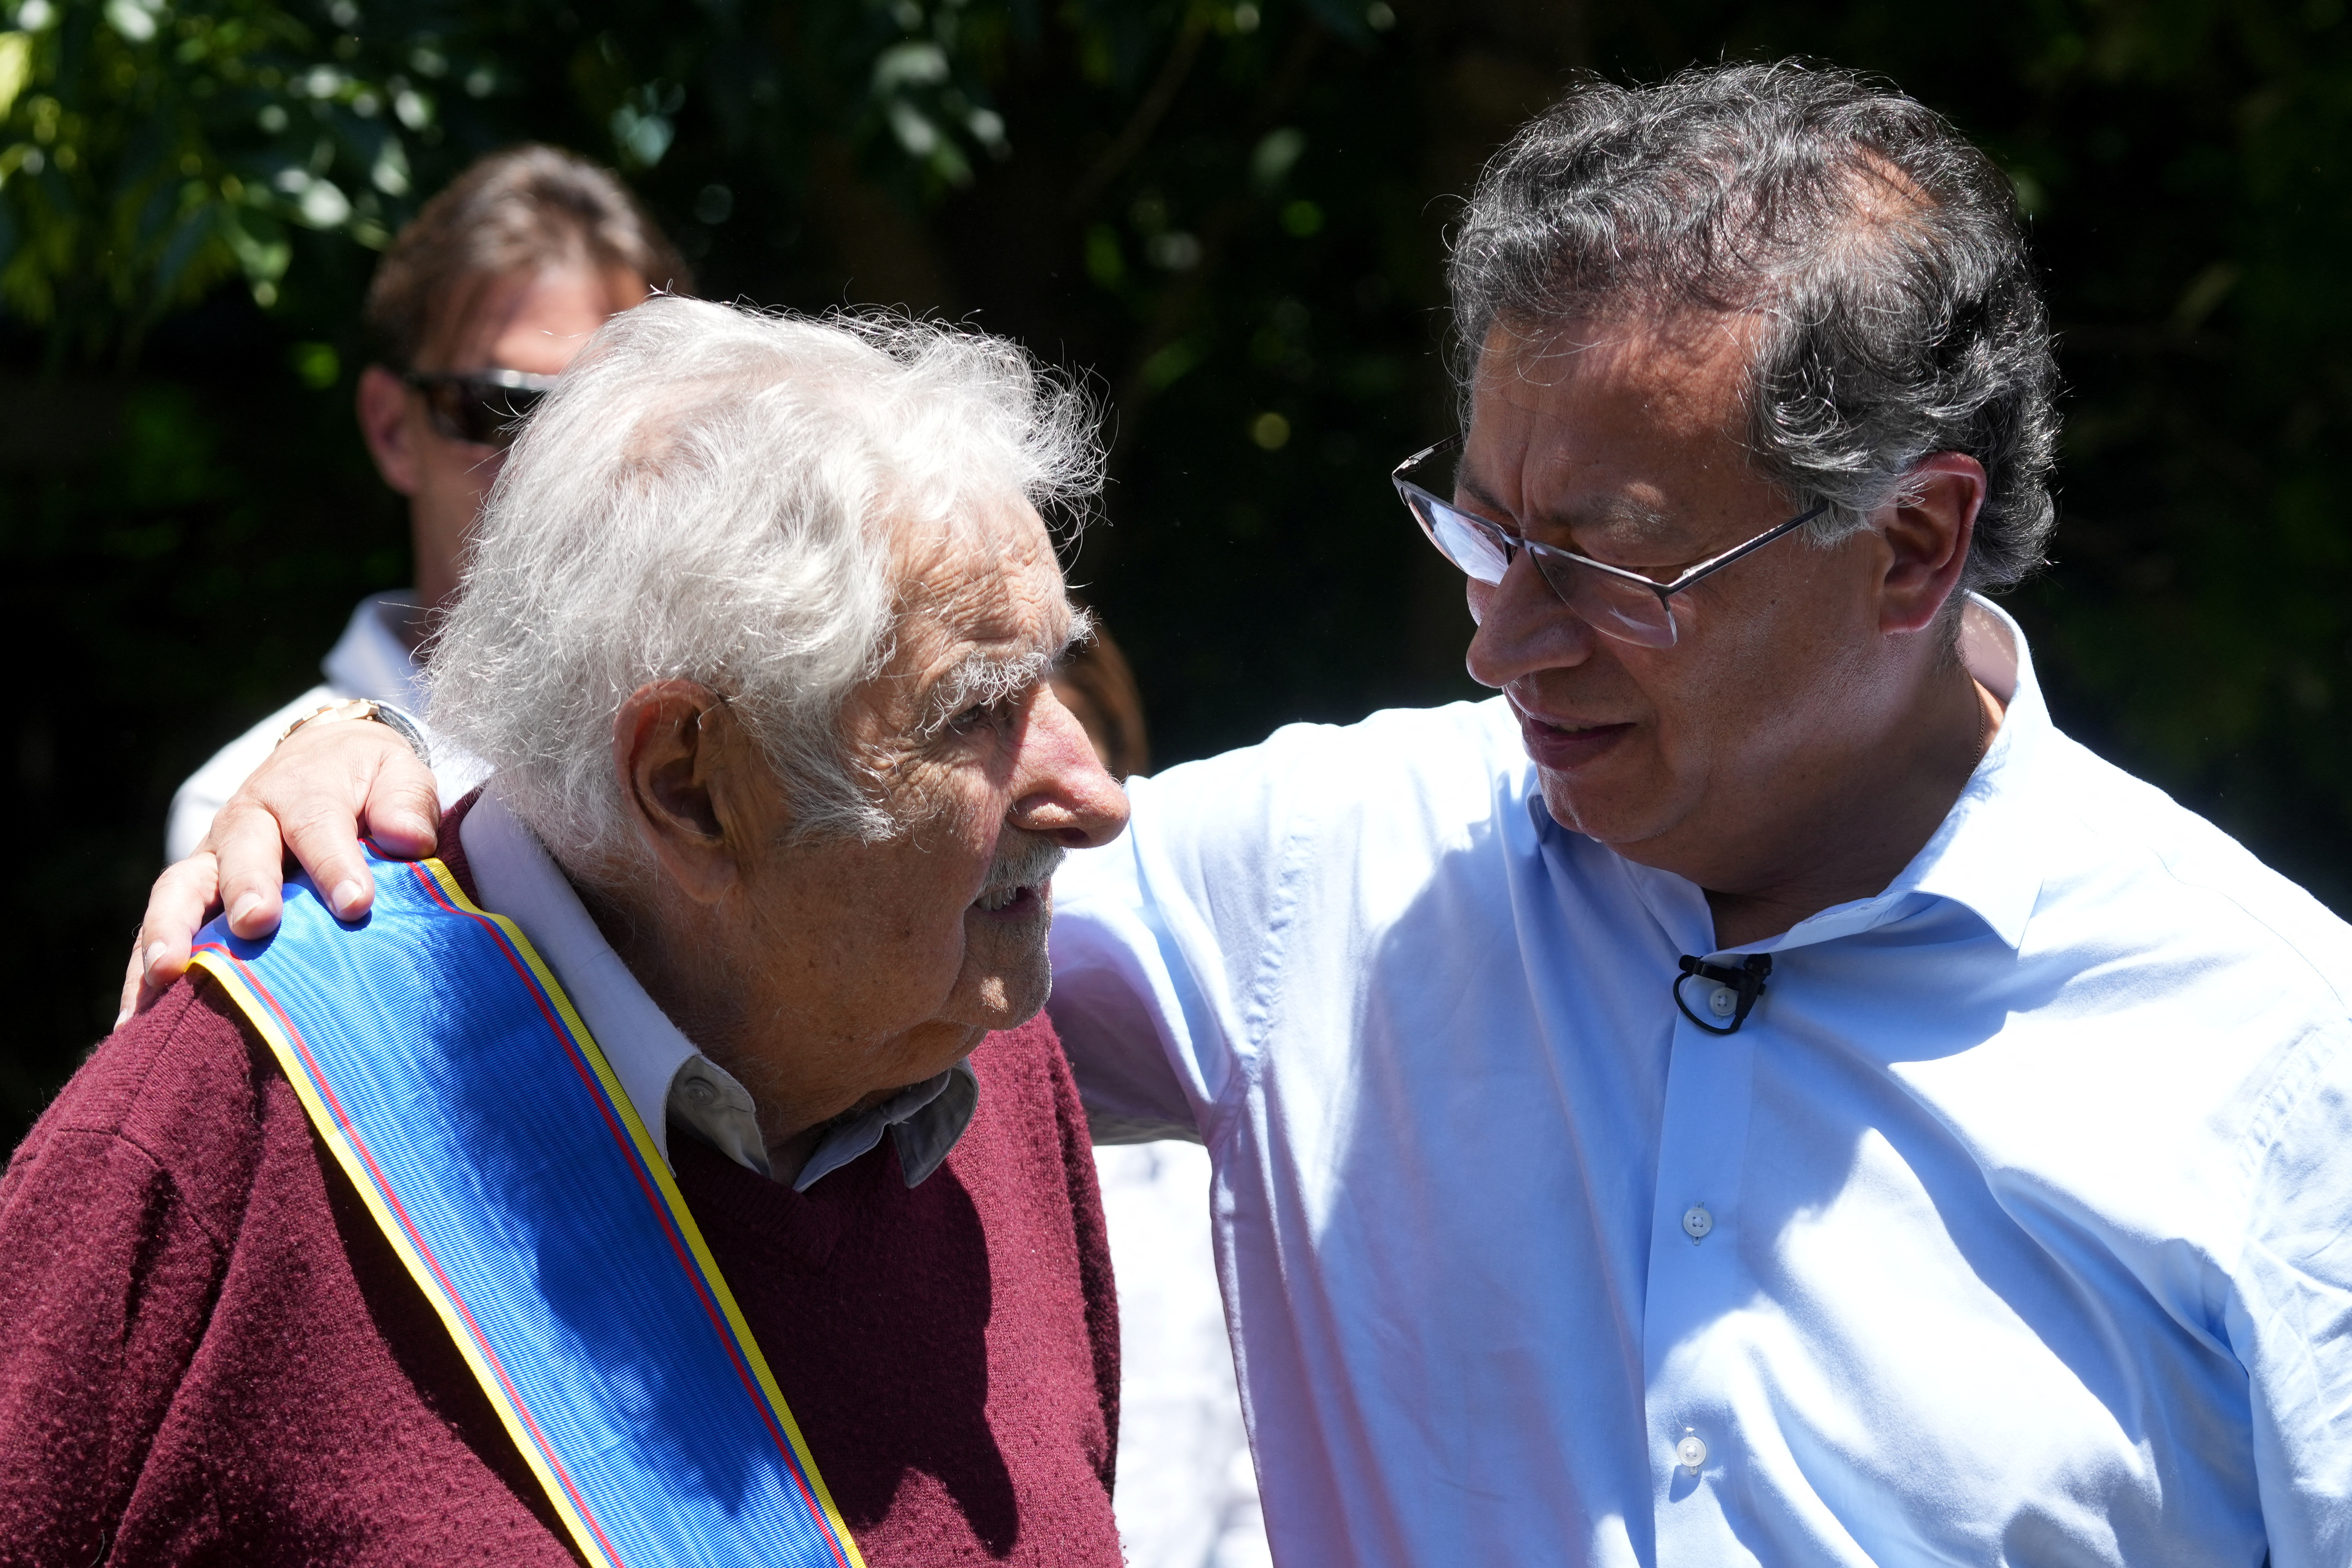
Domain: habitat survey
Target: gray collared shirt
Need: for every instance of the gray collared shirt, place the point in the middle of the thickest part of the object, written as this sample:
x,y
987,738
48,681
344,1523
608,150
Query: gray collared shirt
x,y
659,1066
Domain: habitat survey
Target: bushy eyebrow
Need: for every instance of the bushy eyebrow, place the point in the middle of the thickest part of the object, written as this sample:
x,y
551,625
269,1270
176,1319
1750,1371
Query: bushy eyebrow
x,y
981,677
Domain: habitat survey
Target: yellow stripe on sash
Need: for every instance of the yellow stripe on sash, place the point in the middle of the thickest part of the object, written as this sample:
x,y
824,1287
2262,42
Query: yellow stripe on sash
x,y
258,976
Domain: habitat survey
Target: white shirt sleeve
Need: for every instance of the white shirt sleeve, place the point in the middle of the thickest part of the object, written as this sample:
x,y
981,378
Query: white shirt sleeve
x,y
2290,1316
207,789
1158,936
1174,944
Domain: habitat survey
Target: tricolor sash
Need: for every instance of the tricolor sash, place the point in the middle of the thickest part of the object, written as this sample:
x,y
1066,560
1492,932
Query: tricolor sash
x,y
445,1066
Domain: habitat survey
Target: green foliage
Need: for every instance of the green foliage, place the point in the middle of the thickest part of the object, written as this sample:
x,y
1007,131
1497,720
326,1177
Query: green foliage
x,y
1229,212
147,151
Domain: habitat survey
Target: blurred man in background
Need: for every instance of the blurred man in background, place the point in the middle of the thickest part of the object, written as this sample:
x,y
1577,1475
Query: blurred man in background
x,y
478,305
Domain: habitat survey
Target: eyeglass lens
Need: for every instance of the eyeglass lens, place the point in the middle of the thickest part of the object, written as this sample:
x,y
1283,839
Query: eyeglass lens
x,y
467,408
1612,606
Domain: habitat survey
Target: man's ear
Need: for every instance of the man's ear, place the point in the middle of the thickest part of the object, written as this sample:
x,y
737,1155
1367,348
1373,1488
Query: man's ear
x,y
1928,532
382,407
687,771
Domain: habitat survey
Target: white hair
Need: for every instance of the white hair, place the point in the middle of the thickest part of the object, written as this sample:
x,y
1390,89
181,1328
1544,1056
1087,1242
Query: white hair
x,y
711,494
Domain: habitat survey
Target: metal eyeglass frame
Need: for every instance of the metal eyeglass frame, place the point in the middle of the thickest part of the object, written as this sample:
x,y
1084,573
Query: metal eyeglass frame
x,y
479,384
1430,507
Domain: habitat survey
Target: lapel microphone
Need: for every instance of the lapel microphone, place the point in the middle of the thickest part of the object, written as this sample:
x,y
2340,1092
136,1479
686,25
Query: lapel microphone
x,y
1735,994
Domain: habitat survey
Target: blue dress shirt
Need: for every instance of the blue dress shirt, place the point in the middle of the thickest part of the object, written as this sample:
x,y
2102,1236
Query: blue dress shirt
x,y
2015,1226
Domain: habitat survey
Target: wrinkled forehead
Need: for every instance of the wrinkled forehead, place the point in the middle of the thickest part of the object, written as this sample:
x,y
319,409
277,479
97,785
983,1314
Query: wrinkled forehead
x,y
979,591
980,562
1686,366
1623,438
1587,403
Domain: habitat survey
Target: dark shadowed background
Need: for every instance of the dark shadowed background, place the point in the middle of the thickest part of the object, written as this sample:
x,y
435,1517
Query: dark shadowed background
x,y
1230,214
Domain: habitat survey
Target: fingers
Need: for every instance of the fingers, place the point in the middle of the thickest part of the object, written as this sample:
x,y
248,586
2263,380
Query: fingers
x,y
251,859
402,806
325,839
183,900
128,1004
367,778
309,800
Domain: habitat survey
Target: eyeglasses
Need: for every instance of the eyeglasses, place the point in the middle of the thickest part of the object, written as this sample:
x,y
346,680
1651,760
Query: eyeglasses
x,y
484,407
1612,600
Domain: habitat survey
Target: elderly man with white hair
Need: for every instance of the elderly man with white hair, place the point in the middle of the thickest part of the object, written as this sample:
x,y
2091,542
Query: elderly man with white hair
x,y
677,1169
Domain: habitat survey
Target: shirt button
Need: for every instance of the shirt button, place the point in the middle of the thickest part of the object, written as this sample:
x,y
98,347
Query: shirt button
x,y
1723,1001
1690,1453
1697,1222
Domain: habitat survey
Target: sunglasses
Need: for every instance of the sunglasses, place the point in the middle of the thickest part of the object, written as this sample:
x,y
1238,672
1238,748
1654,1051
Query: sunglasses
x,y
486,407
1612,600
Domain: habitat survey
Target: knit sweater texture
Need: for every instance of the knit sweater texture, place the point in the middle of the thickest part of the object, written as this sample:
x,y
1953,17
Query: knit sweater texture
x,y
209,1353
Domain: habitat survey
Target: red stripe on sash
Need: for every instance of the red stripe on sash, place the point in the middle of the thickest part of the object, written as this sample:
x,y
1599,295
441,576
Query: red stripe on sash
x,y
653,1198
392,1199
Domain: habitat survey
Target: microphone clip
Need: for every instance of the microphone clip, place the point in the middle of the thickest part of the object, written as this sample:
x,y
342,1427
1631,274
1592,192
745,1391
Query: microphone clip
x,y
1735,990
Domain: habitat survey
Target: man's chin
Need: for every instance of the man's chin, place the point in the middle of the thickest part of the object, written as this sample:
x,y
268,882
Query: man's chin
x,y
1004,997
1607,815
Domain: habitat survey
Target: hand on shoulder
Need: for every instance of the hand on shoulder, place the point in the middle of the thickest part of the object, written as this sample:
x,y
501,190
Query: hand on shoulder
x,y
313,797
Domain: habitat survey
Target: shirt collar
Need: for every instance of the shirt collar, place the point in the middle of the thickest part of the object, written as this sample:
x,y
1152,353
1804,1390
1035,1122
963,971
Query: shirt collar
x,y
1988,853
925,1119
372,659
662,1073
1985,856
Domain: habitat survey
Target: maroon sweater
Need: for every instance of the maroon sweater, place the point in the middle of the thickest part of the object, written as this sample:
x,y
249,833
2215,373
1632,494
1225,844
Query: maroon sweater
x,y
209,1353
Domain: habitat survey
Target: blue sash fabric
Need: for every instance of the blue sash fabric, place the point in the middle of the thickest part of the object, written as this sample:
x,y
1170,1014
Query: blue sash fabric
x,y
444,1068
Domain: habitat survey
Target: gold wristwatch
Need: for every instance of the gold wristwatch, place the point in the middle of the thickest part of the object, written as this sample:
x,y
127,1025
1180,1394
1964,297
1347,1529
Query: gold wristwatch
x,y
367,708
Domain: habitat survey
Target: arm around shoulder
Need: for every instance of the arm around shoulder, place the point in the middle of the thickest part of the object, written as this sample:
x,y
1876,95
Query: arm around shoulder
x,y
202,794
1149,929
312,798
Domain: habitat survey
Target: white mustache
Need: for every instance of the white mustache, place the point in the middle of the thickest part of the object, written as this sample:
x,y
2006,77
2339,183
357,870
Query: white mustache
x,y
1027,861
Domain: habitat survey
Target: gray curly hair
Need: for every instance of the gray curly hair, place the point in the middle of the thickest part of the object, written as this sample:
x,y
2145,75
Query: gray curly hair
x,y
1881,253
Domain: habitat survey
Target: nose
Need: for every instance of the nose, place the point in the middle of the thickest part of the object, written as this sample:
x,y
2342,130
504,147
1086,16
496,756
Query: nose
x,y
1523,627
1059,786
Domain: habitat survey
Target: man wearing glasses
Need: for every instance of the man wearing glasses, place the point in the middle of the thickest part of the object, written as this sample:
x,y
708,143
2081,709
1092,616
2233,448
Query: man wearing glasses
x,y
1755,1091
477,305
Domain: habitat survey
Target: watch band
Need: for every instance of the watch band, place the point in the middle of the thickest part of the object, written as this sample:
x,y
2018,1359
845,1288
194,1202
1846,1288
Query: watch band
x,y
365,707
405,725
